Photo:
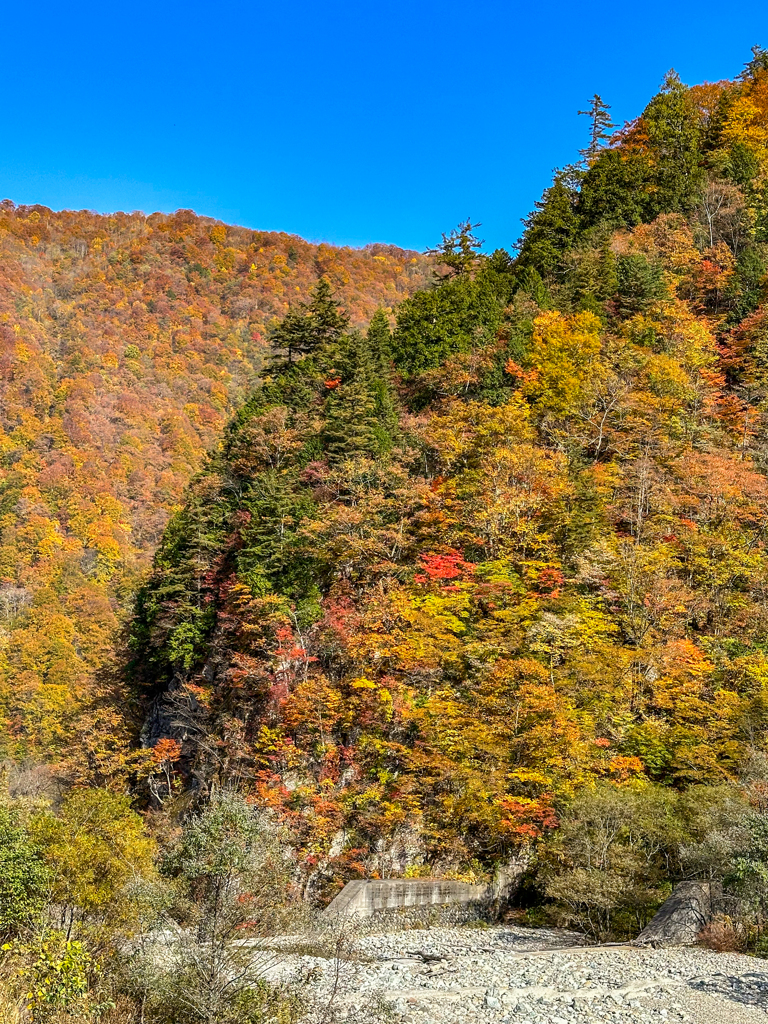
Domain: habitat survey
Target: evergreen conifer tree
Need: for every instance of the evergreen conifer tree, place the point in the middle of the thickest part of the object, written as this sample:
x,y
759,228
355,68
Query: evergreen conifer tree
x,y
328,320
662,173
758,63
600,127
608,281
350,410
290,337
459,250
551,229
379,340
674,127
615,190
306,327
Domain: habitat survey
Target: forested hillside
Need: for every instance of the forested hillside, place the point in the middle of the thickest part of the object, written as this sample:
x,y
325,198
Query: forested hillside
x,y
438,581
472,581
125,343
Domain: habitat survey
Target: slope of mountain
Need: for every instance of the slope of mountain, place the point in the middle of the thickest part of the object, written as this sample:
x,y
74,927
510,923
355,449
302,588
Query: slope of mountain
x,y
435,582
125,343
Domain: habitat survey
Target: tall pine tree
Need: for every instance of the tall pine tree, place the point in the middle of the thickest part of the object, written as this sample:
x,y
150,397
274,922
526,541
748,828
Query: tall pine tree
x,y
309,326
551,229
379,340
350,410
600,127
459,251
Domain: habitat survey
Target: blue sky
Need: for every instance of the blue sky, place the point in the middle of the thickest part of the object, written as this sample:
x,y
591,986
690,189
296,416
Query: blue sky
x,y
350,122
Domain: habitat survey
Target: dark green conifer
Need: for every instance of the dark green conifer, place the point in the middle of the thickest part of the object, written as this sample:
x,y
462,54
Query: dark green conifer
x,y
328,320
551,229
379,341
308,326
530,282
662,173
640,284
600,127
459,314
758,63
615,190
291,336
674,126
350,410
459,250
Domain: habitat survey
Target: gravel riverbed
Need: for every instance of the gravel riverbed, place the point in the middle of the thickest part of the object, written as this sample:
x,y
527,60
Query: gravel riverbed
x,y
512,975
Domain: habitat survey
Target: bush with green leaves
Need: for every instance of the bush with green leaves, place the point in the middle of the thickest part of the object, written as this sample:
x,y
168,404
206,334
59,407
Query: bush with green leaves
x,y
55,978
619,850
24,878
204,953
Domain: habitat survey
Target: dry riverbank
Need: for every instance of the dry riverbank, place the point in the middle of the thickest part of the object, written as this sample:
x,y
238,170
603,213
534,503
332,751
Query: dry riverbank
x,y
535,976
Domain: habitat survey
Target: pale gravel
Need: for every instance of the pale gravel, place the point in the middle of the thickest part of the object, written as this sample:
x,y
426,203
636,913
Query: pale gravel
x,y
538,976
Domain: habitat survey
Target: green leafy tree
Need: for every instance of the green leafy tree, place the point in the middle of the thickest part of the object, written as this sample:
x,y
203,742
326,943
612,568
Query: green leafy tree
x,y
607,865
93,847
24,877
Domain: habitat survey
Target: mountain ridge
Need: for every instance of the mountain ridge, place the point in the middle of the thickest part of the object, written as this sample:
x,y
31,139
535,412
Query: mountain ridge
x,y
125,343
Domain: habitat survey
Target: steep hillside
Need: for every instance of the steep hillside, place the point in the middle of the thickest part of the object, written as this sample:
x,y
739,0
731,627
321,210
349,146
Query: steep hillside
x,y
125,343
434,583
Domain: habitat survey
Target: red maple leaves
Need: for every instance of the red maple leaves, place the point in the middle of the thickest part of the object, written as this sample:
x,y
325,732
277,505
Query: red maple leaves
x,y
443,567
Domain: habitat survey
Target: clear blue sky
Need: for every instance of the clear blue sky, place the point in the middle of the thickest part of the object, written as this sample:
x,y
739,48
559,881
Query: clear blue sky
x,y
348,120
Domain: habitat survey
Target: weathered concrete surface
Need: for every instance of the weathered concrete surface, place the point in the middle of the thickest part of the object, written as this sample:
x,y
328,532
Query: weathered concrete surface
x,y
680,918
363,898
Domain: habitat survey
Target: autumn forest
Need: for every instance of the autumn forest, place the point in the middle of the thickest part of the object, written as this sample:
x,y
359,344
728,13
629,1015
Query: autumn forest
x,y
433,562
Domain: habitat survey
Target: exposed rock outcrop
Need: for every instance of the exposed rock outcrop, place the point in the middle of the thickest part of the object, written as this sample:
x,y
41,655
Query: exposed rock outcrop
x,y
680,919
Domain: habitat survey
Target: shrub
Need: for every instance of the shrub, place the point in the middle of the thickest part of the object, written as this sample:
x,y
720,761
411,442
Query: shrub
x,y
722,935
606,868
23,876
228,887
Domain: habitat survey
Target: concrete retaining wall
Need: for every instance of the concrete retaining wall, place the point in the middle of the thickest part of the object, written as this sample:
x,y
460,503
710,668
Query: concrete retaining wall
x,y
363,898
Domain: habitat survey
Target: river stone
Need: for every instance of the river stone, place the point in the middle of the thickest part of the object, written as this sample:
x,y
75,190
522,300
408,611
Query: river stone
x,y
680,919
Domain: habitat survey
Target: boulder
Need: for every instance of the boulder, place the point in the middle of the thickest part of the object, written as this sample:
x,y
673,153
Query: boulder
x,y
679,919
